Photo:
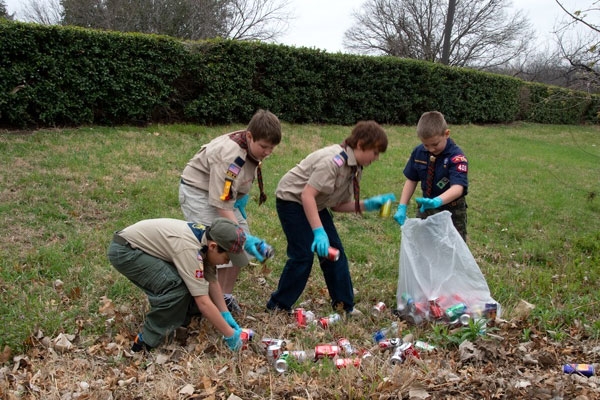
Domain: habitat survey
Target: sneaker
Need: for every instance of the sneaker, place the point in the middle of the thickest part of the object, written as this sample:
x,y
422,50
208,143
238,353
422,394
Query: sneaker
x,y
232,305
139,344
355,312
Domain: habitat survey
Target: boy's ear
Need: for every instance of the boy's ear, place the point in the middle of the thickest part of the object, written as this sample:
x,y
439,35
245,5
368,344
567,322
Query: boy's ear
x,y
447,132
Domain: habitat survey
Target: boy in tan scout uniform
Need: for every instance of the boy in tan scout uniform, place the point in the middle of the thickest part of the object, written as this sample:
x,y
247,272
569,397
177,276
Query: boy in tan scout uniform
x,y
174,263
217,180
326,180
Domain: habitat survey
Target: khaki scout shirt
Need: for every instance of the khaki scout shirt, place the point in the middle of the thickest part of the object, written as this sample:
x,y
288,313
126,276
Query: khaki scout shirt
x,y
173,241
223,169
327,171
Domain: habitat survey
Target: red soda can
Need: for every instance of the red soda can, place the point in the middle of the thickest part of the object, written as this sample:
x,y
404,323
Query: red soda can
x,y
273,351
326,351
345,345
435,309
409,350
379,308
391,343
333,254
324,322
344,362
300,317
246,336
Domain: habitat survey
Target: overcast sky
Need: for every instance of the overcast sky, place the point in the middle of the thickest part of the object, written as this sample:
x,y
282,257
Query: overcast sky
x,y
321,23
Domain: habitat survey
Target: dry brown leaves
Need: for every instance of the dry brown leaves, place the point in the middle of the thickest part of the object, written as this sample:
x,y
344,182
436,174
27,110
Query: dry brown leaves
x,y
197,365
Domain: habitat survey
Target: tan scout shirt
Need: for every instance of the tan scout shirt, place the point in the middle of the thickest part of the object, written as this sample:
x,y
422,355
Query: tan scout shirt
x,y
325,170
223,169
173,241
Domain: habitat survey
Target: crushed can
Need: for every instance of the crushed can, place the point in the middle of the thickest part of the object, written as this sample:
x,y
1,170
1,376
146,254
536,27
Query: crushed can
x,y
345,346
326,351
303,317
397,357
274,351
409,350
324,322
266,341
282,362
423,346
391,343
345,362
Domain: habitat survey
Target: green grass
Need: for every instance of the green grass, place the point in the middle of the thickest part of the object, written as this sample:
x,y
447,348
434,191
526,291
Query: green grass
x,y
533,219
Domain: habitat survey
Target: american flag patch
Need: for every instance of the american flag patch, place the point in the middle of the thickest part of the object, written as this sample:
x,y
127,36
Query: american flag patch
x,y
338,160
233,170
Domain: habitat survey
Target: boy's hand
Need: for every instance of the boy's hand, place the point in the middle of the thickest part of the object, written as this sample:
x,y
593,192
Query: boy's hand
x,y
400,215
427,204
251,247
320,243
234,342
240,204
375,202
229,319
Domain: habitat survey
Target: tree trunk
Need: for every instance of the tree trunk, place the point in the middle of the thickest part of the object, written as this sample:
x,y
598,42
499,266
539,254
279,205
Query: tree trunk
x,y
448,32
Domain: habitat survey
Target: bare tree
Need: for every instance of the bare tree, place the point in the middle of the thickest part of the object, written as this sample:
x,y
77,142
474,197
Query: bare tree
x,y
48,12
578,42
4,12
483,35
186,19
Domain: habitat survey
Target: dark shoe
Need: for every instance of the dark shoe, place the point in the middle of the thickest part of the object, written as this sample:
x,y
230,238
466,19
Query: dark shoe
x,y
232,305
139,344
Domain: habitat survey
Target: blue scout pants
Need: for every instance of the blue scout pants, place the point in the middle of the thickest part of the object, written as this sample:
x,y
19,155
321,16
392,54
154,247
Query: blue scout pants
x,y
170,300
297,269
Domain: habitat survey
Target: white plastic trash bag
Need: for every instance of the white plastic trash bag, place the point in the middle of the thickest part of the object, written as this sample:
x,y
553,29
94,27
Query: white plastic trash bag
x,y
436,265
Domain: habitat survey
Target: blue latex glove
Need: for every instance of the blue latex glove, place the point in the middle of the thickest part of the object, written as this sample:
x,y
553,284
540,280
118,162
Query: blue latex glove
x,y
240,204
229,319
251,246
234,342
320,243
400,215
427,204
375,202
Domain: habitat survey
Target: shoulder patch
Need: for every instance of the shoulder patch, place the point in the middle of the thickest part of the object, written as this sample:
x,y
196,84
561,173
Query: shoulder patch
x,y
459,159
338,160
461,168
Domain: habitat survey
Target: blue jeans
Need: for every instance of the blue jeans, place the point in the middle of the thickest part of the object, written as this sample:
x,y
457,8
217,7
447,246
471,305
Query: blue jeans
x,y
297,269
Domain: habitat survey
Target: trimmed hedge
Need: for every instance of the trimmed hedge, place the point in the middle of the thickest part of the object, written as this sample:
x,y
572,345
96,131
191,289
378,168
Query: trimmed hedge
x,y
56,76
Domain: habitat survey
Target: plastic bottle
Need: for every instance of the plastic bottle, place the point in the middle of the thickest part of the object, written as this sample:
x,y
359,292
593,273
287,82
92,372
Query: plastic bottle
x,y
385,332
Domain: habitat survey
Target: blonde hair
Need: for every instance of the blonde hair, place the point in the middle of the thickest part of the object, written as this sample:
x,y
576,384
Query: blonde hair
x,y
431,123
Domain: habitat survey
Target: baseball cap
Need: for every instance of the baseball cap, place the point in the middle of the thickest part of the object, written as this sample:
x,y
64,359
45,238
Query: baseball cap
x,y
231,237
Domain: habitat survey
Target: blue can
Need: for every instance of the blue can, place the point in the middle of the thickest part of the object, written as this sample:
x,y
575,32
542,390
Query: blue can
x,y
579,369
265,250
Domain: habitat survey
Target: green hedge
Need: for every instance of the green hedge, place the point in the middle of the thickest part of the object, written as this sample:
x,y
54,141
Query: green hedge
x,y
52,75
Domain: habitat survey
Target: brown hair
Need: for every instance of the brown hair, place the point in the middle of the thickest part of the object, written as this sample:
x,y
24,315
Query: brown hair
x,y
431,123
265,125
370,135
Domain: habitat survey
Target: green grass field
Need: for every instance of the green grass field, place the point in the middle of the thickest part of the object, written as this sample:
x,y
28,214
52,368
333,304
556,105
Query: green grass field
x,y
533,220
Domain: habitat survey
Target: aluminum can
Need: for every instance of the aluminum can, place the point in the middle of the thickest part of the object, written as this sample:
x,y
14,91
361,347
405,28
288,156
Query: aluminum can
x,y
300,315
265,250
579,369
324,322
379,308
273,351
391,343
333,254
281,364
434,309
345,346
409,350
455,311
464,319
345,362
246,336
490,311
398,356
272,341
386,209
326,351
